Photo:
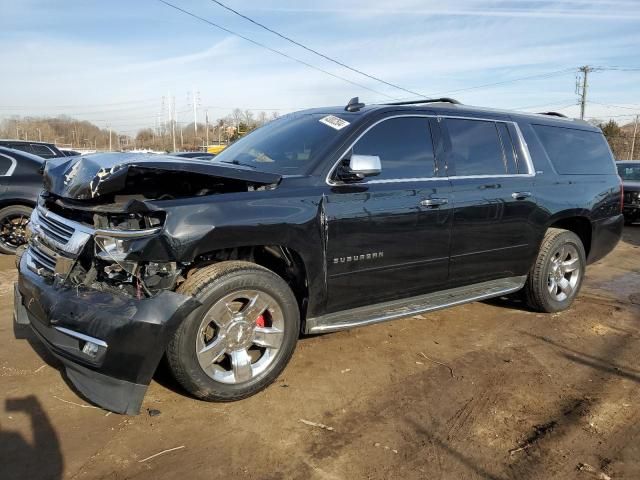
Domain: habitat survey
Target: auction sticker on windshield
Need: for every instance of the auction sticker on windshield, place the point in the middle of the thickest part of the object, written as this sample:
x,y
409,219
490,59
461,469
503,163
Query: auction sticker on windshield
x,y
334,122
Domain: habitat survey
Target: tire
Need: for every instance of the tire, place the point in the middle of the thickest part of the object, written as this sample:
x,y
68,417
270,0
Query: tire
x,y
553,267
232,294
13,220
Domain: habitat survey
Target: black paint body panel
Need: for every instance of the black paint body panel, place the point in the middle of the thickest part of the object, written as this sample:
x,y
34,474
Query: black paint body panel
x,y
360,243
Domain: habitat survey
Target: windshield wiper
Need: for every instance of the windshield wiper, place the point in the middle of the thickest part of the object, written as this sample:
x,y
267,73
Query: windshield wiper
x,y
236,162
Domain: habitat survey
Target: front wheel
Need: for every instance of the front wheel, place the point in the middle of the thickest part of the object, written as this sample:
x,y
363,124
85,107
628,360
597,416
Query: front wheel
x,y
242,336
13,224
556,276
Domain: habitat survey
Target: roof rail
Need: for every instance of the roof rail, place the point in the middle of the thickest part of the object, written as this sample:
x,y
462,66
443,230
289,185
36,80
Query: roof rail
x,y
553,114
427,100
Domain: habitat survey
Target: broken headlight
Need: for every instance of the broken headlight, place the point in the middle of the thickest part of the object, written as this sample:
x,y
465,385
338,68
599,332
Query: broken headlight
x,y
111,248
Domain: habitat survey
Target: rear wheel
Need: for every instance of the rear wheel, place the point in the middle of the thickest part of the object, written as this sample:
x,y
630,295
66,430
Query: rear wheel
x,y
556,276
242,336
13,223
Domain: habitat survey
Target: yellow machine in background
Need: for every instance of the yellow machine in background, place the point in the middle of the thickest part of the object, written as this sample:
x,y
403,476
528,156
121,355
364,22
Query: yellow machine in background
x,y
215,148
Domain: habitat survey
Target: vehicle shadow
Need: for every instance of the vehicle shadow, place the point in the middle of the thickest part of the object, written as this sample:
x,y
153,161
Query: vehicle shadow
x,y
40,459
588,360
514,301
631,234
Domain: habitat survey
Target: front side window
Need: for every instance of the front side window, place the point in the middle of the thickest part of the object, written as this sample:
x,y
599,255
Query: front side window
x,y
404,146
476,148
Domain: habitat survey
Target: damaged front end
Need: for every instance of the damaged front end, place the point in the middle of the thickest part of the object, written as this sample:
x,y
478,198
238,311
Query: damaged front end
x,y
97,281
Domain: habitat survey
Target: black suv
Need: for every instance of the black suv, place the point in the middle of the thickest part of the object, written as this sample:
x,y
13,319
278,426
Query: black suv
x,y
322,220
41,149
629,171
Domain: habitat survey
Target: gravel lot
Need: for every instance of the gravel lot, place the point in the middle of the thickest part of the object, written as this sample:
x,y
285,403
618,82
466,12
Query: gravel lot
x,y
486,390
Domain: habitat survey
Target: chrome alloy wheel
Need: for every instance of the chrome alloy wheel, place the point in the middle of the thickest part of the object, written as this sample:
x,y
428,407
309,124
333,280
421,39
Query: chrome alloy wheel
x,y
240,336
564,272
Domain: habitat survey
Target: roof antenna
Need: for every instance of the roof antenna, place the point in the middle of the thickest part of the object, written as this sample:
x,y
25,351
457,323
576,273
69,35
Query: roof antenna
x,y
354,105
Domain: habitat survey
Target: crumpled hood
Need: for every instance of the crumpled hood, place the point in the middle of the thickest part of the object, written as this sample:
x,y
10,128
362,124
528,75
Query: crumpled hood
x,y
631,186
92,176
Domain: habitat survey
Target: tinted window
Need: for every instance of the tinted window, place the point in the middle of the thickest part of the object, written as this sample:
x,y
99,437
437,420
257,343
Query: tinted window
x,y
42,151
475,147
629,171
576,152
23,147
404,146
5,164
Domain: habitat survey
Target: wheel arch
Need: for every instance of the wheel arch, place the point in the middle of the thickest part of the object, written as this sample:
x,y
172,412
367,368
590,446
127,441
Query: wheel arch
x,y
577,223
284,261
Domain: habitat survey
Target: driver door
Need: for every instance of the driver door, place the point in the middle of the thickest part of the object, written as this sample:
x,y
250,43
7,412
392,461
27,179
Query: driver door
x,y
389,235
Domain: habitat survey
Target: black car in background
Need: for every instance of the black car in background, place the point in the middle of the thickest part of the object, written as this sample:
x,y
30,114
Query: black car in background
x,y
20,183
41,149
630,174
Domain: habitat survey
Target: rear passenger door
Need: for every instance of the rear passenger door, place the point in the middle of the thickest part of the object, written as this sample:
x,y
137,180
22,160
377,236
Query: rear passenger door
x,y
492,183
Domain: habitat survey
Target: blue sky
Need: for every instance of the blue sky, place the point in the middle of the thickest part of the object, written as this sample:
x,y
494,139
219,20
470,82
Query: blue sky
x,y
111,62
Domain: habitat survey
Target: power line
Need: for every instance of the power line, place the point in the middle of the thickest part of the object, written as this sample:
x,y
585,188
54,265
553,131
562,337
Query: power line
x,y
504,82
278,52
309,49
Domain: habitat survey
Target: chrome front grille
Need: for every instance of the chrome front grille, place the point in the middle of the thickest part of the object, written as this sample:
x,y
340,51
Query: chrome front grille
x,y
56,229
54,243
43,259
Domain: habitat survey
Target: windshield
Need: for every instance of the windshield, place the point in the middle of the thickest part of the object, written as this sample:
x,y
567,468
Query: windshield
x,y
629,172
288,145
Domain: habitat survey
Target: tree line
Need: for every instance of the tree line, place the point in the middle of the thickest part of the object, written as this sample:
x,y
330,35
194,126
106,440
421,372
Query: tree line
x,y
69,132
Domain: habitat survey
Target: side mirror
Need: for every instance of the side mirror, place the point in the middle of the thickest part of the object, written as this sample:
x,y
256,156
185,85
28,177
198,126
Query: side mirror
x,y
358,167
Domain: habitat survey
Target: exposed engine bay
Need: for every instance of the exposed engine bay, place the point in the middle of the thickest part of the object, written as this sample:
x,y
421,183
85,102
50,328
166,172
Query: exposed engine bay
x,y
99,223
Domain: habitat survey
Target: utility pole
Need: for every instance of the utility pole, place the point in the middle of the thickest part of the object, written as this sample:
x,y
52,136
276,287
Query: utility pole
x,y
633,142
581,89
206,125
173,120
109,137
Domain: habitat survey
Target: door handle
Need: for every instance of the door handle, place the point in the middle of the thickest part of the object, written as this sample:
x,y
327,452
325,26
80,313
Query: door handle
x,y
520,195
434,202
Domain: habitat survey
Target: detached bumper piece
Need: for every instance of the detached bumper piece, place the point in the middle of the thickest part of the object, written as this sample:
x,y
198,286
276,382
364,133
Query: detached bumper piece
x,y
109,344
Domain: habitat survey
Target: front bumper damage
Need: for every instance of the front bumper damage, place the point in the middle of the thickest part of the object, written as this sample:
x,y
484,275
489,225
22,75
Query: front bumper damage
x,y
109,344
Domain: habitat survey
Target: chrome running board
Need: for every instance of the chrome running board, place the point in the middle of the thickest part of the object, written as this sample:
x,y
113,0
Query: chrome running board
x,y
382,312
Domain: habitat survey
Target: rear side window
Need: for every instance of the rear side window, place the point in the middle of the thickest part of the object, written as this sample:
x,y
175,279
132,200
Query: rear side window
x,y
404,146
476,148
5,164
576,152
42,151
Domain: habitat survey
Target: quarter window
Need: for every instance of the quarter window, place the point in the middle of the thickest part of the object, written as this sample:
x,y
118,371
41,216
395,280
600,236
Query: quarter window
x,y
476,148
576,152
404,146
5,165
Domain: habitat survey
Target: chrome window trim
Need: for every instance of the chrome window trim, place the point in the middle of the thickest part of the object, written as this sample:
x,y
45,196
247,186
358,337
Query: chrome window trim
x,y
521,141
13,166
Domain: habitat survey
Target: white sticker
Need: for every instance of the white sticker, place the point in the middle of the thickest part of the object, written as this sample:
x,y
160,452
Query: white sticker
x,y
334,122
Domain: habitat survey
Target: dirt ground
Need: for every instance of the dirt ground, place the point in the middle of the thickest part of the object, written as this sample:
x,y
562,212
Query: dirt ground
x,y
482,391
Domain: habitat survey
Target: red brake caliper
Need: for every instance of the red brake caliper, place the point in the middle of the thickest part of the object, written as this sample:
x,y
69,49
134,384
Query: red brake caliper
x,y
260,321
